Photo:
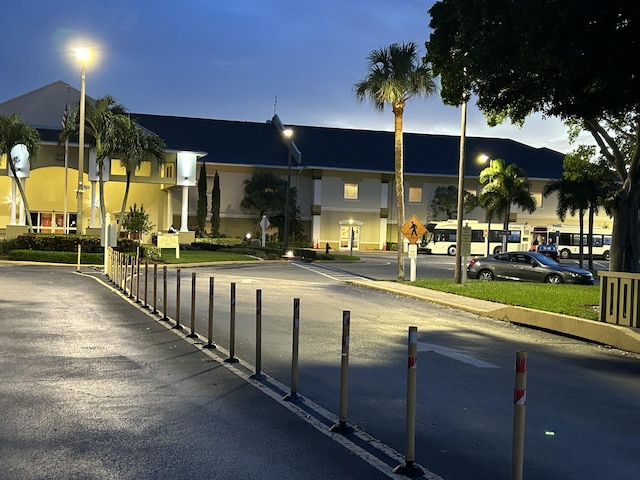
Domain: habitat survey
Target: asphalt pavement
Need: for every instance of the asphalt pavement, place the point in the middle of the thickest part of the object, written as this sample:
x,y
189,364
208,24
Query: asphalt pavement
x,y
95,388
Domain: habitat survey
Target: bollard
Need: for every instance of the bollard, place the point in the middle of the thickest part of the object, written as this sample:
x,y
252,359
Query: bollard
x,y
409,469
293,396
79,254
258,375
210,343
155,288
146,283
519,406
232,327
193,333
131,262
341,426
138,278
164,296
177,325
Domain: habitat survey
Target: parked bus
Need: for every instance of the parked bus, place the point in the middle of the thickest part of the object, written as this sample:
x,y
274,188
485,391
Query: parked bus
x,y
567,240
441,237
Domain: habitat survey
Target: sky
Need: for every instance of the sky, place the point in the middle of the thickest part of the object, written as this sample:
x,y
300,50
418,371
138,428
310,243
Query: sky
x,y
236,60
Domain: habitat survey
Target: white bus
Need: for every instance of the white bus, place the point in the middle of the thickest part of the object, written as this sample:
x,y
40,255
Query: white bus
x,y
567,240
441,237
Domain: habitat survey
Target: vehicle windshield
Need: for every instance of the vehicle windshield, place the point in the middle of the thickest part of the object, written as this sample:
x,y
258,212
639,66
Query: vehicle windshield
x,y
543,259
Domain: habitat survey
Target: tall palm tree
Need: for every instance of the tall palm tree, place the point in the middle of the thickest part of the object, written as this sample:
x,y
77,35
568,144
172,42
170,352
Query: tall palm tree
x,y
395,74
133,144
14,131
506,185
99,122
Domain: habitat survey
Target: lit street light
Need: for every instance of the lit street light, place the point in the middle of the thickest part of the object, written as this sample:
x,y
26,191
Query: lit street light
x,y
83,55
288,133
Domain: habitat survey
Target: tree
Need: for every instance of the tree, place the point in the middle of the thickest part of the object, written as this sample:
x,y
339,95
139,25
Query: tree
x,y
506,185
519,59
215,206
266,193
14,131
201,214
99,123
445,202
137,221
133,145
395,74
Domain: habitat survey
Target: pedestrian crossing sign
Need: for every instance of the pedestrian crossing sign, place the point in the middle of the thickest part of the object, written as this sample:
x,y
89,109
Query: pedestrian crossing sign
x,y
413,229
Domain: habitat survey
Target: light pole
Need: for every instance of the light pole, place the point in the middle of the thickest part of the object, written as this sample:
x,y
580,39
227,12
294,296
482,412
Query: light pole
x,y
288,133
458,266
83,55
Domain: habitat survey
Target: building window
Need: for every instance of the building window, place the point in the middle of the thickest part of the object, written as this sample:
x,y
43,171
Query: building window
x,y
415,194
168,170
538,197
351,191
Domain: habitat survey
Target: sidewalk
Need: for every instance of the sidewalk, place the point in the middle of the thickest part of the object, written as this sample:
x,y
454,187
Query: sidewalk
x,y
624,338
93,387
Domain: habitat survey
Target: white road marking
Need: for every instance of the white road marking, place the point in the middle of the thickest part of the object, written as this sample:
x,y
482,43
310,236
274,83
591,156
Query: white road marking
x,y
454,354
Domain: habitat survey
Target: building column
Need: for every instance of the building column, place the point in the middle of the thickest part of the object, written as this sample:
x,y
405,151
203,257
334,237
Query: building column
x,y
13,201
185,209
384,211
316,208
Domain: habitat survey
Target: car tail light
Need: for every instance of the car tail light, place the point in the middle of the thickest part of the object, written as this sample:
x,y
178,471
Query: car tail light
x,y
472,262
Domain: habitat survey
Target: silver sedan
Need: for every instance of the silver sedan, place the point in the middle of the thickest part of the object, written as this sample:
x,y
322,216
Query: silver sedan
x,y
526,267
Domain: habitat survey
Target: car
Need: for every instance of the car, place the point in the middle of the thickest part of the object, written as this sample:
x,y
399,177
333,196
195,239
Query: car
x,y
526,267
550,251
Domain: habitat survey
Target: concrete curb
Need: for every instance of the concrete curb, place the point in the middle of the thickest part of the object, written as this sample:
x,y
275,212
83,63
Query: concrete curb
x,y
623,338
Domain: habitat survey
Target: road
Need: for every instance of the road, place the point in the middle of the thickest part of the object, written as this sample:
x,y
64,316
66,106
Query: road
x,y
583,400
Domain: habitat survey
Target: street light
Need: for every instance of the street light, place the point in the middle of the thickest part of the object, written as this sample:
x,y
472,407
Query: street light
x,y
83,55
288,133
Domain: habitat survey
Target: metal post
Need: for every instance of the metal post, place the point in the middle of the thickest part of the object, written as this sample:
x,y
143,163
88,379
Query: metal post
x,y
258,375
155,288
341,426
519,406
193,333
131,262
146,283
138,278
293,396
164,296
210,343
409,468
232,326
177,325
79,254
460,210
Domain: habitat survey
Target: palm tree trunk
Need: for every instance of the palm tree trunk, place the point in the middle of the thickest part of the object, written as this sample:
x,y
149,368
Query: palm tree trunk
x,y
590,236
581,240
399,174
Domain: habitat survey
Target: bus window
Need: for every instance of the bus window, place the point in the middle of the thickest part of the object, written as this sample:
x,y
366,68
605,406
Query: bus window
x,y
607,239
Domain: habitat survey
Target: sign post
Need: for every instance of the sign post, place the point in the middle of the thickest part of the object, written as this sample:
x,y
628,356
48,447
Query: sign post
x,y
413,229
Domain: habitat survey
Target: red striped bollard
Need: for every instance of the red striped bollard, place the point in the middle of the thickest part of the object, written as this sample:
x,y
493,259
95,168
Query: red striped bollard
x,y
519,406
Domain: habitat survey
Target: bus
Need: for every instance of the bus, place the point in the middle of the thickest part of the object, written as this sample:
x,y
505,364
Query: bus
x,y
485,238
567,240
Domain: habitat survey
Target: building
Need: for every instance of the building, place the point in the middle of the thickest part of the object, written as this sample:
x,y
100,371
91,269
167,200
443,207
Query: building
x,y
344,178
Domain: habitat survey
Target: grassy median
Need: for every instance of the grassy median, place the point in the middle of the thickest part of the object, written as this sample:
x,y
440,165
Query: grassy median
x,y
576,300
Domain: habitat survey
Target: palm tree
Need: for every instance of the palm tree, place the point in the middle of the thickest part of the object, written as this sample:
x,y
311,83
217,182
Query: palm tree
x,y
396,73
99,121
14,131
133,144
506,185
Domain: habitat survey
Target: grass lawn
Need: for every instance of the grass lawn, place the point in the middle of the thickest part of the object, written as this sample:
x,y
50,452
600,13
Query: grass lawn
x,y
576,300
202,256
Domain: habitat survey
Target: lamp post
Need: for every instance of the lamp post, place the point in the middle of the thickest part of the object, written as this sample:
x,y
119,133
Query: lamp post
x,y
83,55
458,266
288,133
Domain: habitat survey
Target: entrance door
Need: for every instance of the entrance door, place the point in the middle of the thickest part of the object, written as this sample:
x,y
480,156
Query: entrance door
x,y
349,237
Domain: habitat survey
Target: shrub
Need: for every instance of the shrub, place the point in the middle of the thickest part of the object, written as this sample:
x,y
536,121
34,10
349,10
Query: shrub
x,y
56,257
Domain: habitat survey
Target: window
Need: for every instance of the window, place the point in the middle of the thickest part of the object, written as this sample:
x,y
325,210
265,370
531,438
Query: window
x,y
168,170
351,191
415,194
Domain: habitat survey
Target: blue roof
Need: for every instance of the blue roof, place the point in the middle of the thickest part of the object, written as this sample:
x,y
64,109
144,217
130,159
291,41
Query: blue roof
x,y
261,144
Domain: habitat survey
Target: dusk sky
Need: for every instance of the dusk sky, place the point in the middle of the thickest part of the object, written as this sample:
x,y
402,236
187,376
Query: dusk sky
x,y
230,59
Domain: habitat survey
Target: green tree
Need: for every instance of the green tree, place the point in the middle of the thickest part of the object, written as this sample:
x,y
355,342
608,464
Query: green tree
x,y
506,185
266,193
14,131
201,213
396,74
137,221
134,145
518,59
444,204
215,206
100,121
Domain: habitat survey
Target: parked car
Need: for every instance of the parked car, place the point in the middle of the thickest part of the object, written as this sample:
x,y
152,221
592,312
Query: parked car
x,y
526,267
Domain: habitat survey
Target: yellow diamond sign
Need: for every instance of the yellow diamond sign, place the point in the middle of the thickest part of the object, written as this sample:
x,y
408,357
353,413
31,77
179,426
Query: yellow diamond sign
x,y
413,229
